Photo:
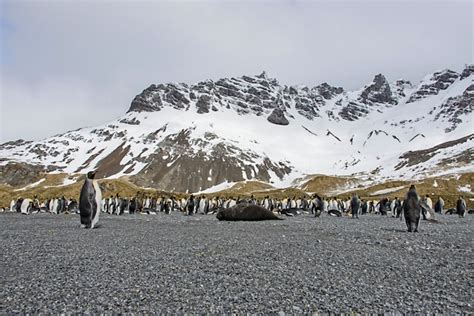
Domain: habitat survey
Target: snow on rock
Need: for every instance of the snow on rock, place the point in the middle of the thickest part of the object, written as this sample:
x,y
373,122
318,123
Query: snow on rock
x,y
465,189
219,187
185,137
31,185
389,190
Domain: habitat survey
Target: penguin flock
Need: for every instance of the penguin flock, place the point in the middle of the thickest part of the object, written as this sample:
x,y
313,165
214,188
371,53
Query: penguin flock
x,y
54,206
91,204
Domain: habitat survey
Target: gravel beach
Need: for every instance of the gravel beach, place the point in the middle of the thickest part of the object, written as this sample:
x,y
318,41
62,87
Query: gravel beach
x,y
196,264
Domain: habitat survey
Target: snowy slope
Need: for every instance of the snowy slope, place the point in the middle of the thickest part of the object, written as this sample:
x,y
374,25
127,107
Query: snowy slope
x,y
191,138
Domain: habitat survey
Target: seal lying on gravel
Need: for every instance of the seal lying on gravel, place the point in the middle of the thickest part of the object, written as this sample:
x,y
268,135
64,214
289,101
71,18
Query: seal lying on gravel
x,y
149,211
412,210
245,212
293,211
450,211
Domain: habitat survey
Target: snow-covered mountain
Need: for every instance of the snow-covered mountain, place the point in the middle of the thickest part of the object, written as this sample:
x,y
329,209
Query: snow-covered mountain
x,y
184,137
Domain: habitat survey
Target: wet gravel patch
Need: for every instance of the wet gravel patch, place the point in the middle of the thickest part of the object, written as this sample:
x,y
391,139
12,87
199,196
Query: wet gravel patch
x,y
196,264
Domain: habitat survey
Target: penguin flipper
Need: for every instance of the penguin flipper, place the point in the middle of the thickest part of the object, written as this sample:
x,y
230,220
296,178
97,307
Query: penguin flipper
x,y
426,207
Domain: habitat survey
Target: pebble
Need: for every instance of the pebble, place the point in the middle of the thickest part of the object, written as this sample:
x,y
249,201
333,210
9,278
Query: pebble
x,y
175,264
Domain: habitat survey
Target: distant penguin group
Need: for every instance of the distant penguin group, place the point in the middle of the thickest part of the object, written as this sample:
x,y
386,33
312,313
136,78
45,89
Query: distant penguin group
x,y
90,201
90,206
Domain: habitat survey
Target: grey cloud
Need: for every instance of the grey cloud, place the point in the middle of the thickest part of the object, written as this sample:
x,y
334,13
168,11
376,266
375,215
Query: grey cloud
x,y
78,63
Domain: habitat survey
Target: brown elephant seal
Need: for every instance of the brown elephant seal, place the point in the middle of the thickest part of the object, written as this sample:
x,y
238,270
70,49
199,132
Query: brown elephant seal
x,y
245,212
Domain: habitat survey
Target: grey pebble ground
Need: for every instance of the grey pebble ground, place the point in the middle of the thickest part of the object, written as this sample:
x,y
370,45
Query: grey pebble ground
x,y
180,264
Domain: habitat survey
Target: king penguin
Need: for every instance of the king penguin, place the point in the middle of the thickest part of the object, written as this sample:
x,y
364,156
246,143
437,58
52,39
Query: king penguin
x,y
26,206
90,201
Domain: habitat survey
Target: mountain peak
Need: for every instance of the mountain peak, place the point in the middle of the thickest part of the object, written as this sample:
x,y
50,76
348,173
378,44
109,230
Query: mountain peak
x,y
432,84
327,91
378,91
468,70
263,75
379,80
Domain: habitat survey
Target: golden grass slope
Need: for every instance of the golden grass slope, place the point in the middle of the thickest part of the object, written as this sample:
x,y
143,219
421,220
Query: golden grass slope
x,y
447,187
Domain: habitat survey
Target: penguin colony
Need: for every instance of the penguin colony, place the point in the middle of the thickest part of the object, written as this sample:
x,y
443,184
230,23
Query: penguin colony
x,y
91,204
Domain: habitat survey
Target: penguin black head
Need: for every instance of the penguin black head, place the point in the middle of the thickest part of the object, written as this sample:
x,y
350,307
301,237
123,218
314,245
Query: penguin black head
x,y
91,174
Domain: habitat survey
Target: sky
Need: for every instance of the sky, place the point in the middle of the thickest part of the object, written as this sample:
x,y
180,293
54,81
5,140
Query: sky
x,y
71,64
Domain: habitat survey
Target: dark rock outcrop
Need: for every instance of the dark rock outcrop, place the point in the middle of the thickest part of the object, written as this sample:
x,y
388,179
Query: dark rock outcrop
x,y
278,117
469,70
377,92
22,174
327,91
440,80
14,143
353,111
308,106
221,162
132,121
456,107
203,104
400,86
141,102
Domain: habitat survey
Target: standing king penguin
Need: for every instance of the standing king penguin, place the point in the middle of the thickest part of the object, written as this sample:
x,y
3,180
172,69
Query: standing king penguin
x,y
90,201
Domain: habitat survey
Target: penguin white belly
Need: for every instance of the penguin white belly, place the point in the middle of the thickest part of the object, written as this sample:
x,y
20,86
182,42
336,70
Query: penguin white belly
x,y
428,215
202,205
25,206
55,206
126,210
98,199
266,204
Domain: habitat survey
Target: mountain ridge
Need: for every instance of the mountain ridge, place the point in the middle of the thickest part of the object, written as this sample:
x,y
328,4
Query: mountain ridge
x,y
184,137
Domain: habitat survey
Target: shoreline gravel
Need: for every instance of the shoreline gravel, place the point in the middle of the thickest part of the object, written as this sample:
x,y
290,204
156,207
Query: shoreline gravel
x,y
196,264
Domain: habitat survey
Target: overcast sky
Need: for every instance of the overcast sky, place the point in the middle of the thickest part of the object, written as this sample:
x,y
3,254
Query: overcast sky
x,y
70,64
